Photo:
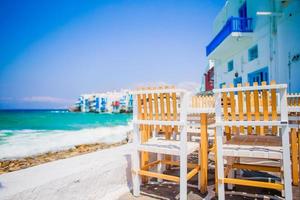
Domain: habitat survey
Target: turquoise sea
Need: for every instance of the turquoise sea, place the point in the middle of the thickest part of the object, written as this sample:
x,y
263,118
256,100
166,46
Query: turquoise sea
x,y
30,132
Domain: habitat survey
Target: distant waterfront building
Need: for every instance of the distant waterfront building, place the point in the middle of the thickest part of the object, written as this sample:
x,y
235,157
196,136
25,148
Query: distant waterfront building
x,y
108,102
255,41
83,103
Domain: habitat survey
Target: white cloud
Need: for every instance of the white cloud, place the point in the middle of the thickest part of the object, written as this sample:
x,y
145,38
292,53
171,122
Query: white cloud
x,y
46,99
189,85
150,84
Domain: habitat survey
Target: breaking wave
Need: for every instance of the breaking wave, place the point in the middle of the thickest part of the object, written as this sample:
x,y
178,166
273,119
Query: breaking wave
x,y
27,142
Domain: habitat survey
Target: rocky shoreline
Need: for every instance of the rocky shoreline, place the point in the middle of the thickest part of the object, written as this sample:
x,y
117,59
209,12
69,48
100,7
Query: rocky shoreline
x,y
22,163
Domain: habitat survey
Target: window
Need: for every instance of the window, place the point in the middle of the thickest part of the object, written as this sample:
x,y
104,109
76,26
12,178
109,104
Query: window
x,y
230,66
259,76
253,53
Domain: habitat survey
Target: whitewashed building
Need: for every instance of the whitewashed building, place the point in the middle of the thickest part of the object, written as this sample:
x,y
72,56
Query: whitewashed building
x,y
255,41
108,102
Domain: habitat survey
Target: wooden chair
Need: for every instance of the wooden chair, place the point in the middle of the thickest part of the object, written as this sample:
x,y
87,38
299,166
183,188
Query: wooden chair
x,y
254,128
294,124
161,110
201,120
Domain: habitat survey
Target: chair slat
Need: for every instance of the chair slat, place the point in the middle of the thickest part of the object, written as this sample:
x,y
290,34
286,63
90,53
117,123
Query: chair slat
x,y
232,107
194,99
156,110
168,106
274,108
240,106
225,110
150,102
256,108
145,116
139,103
174,103
162,108
141,116
265,106
248,108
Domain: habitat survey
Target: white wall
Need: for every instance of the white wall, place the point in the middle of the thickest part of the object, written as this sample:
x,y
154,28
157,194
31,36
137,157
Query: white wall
x,y
241,64
253,6
273,49
289,44
260,37
230,8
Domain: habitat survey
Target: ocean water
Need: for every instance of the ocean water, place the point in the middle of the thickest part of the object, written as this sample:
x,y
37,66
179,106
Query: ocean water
x,y
30,132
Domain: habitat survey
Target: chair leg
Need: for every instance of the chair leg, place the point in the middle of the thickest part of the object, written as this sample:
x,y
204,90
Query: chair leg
x,y
174,137
204,153
160,166
199,173
189,137
220,164
294,144
144,161
230,162
168,137
286,163
136,180
298,161
239,172
183,164
216,163
183,177
216,173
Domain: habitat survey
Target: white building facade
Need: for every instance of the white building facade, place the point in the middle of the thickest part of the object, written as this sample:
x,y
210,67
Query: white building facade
x,y
108,102
255,41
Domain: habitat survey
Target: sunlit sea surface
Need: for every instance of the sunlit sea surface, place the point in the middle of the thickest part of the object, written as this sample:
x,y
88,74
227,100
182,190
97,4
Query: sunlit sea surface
x,y
31,132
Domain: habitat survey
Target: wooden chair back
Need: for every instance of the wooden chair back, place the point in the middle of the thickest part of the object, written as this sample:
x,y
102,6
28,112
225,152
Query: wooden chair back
x,y
294,110
158,104
294,100
198,105
252,103
294,124
203,101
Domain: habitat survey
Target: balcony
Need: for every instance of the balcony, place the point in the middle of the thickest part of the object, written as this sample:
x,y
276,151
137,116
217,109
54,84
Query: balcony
x,y
233,24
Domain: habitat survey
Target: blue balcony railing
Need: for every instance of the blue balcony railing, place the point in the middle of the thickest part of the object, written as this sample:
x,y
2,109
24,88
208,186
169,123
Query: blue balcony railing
x,y
233,24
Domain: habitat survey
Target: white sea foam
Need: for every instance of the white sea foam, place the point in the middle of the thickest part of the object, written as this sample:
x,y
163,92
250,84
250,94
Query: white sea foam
x,y
31,142
59,111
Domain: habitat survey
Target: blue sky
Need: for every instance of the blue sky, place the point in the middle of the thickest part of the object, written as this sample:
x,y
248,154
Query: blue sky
x,y
52,51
